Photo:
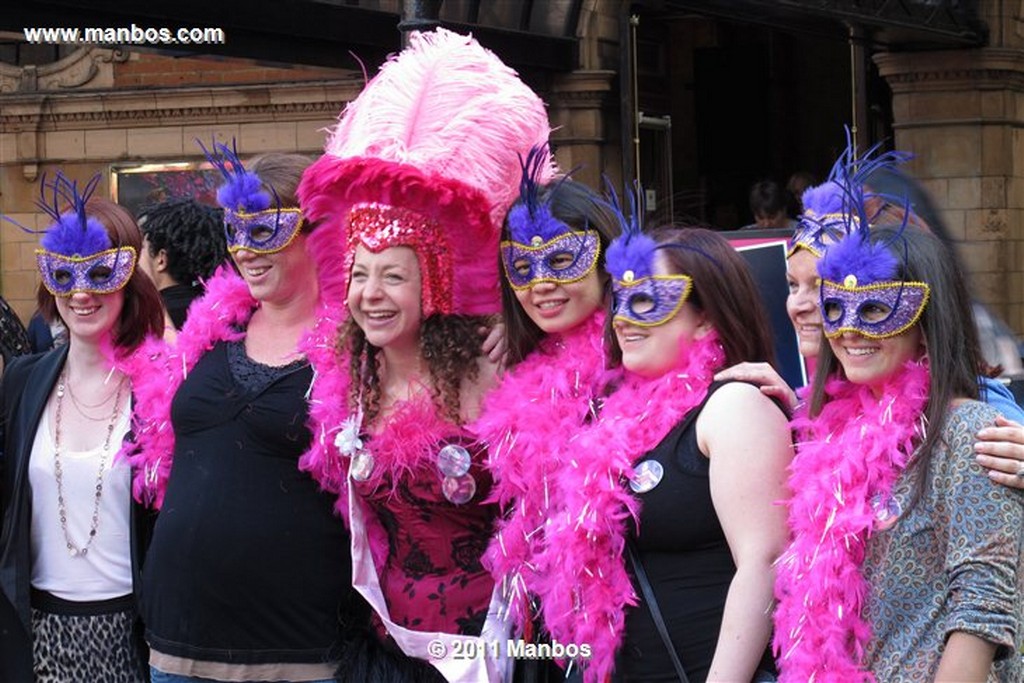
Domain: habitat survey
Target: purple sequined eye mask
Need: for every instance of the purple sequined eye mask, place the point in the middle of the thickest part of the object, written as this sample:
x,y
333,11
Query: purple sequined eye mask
x,y
568,258
876,311
101,273
817,233
266,232
650,301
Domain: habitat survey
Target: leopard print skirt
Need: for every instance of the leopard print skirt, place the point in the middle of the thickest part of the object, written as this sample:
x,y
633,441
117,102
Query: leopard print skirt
x,y
85,649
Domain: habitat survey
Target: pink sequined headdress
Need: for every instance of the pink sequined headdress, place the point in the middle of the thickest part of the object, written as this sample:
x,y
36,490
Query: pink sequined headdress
x,y
427,156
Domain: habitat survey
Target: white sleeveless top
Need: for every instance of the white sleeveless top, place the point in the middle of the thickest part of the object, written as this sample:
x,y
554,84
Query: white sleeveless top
x,y
105,571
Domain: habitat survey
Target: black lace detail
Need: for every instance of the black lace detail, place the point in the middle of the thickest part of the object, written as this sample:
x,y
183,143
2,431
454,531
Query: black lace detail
x,y
252,375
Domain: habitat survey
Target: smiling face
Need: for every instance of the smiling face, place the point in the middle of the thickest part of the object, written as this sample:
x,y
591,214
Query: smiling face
x,y
557,308
278,277
651,351
874,361
90,317
384,296
802,304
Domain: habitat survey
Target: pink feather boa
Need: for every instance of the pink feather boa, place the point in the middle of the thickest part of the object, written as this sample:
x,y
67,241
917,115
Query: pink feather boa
x,y
328,405
582,580
855,450
156,371
525,423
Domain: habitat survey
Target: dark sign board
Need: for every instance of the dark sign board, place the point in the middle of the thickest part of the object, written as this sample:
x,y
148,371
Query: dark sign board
x,y
765,252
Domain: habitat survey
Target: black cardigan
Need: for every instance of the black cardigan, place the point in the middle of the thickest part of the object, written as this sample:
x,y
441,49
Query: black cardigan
x,y
24,391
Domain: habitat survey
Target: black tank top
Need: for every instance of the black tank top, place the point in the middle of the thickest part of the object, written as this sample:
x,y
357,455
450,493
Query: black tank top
x,y
687,560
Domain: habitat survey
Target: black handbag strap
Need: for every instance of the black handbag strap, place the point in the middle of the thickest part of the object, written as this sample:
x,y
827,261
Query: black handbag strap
x,y
652,605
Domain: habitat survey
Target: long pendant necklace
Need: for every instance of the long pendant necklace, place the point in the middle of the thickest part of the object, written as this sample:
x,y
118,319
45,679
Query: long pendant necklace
x,y
58,470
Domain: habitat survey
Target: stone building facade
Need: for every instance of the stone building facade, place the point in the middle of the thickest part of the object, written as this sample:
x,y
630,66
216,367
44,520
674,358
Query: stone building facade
x,y
960,112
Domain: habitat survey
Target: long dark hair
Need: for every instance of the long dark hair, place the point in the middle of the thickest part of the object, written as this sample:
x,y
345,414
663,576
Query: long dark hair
x,y
947,327
723,289
581,208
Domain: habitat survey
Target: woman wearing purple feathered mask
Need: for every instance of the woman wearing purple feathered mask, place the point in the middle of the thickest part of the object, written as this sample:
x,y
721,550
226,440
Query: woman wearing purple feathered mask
x,y
72,538
905,561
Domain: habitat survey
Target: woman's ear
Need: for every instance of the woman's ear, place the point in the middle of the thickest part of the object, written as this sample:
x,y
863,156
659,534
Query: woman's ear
x,y
703,325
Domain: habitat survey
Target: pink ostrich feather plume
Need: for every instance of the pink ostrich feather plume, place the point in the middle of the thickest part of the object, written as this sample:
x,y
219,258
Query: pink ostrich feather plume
x,y
526,423
157,370
582,581
852,452
449,107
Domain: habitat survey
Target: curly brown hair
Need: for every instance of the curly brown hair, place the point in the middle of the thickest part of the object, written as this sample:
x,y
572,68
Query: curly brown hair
x,y
449,345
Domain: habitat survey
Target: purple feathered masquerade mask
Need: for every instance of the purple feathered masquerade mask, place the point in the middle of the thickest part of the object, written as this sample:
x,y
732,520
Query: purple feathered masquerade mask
x,y
542,248
839,205
640,297
860,292
76,254
249,220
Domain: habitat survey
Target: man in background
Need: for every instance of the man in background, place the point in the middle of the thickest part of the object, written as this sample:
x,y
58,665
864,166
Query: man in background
x,y
183,244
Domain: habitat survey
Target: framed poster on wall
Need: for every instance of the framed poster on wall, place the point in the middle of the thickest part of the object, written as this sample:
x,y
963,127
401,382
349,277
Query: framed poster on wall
x,y
138,185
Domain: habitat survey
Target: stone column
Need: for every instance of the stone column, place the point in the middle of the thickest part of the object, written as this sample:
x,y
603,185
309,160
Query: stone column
x,y
580,105
961,113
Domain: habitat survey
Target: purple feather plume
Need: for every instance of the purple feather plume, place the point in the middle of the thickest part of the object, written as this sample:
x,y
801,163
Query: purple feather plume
x,y
523,224
857,255
242,190
824,199
531,217
635,253
846,190
632,249
68,237
73,233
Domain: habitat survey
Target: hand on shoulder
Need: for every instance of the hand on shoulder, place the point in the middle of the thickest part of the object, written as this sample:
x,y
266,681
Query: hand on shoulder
x,y
1000,449
765,377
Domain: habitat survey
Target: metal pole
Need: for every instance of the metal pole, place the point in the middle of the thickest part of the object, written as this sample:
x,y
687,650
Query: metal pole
x,y
627,100
418,15
858,88
634,22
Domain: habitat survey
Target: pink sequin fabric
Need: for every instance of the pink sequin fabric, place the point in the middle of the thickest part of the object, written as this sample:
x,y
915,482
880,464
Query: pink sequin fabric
x,y
380,226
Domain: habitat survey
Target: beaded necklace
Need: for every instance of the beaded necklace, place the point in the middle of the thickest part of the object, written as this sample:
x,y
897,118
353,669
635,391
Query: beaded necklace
x,y
58,470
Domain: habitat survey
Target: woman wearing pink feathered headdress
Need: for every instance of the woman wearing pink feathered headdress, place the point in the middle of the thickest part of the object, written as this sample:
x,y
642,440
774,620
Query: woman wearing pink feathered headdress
x,y
417,177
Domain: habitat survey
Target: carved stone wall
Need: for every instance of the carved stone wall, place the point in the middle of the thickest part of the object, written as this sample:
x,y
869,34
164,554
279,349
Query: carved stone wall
x,y
583,105
84,131
88,66
961,114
